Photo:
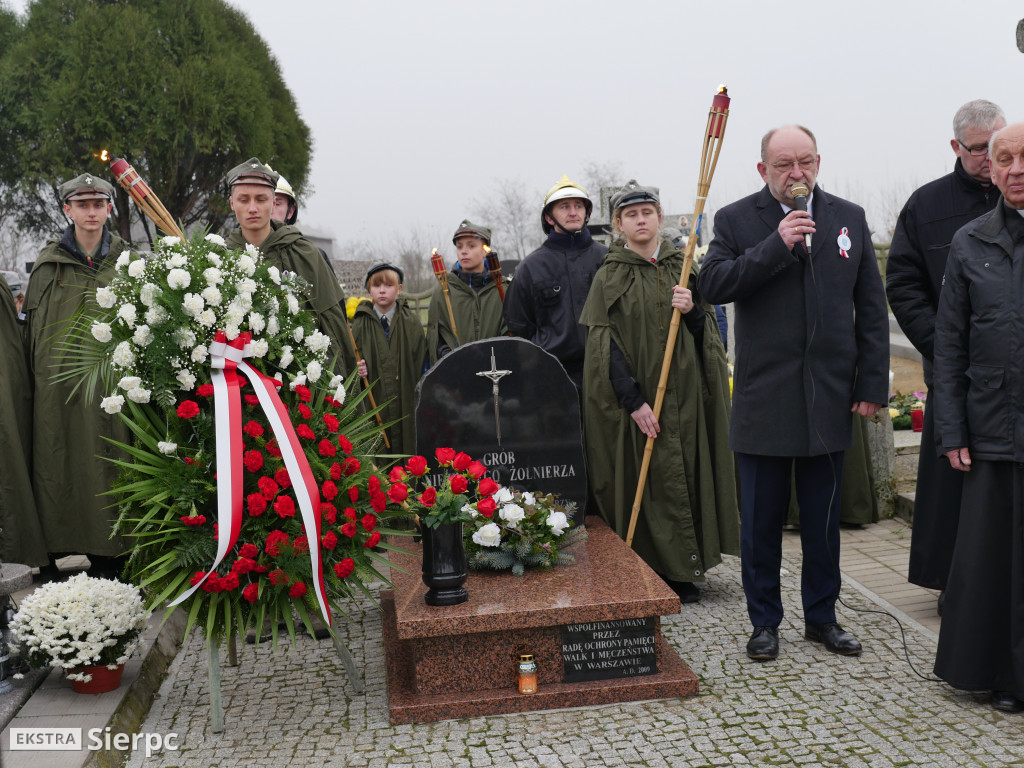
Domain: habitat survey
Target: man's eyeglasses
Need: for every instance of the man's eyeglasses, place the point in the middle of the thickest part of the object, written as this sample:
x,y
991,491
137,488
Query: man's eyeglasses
x,y
787,167
979,151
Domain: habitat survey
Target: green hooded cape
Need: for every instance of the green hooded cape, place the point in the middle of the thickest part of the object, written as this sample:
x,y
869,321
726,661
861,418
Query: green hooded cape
x,y
69,453
394,365
21,536
288,249
859,504
689,514
478,314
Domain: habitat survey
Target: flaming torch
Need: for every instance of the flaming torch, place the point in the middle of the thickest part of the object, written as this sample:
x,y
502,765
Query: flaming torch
x,y
144,197
441,273
494,269
717,118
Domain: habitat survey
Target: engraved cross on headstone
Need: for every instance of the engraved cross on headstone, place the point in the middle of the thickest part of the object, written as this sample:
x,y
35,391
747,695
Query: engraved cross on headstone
x,y
495,376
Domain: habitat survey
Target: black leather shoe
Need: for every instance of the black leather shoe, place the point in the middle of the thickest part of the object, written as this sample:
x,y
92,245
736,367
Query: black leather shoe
x,y
835,638
763,644
1005,701
686,590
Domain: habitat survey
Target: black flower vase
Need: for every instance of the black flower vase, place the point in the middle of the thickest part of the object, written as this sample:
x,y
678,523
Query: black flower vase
x,y
444,565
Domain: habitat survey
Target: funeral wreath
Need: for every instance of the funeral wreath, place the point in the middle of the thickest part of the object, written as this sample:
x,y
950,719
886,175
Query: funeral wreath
x,y
249,490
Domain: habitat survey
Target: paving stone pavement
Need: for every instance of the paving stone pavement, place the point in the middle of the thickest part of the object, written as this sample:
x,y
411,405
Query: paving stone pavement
x,y
295,707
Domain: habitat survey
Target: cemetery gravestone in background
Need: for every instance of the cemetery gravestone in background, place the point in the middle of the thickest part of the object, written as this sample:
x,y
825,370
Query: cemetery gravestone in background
x,y
509,404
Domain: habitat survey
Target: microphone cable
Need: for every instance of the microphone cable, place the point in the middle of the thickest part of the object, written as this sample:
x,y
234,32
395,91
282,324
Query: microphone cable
x,y
833,557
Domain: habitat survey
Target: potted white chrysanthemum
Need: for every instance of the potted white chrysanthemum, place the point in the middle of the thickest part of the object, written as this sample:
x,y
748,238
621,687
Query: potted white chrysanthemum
x,y
86,626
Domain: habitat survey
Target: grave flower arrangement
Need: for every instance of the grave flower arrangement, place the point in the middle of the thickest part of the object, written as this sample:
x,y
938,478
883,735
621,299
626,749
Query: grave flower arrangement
x,y
446,495
81,622
528,531
249,490
900,406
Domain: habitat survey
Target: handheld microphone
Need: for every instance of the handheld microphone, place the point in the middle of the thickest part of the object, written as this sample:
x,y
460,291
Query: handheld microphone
x,y
799,192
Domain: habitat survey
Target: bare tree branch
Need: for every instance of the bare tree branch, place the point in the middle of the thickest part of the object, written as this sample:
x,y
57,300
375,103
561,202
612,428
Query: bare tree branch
x,y
514,216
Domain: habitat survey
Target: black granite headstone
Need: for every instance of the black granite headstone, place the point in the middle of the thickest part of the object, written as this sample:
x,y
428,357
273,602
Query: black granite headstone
x,y
605,650
511,405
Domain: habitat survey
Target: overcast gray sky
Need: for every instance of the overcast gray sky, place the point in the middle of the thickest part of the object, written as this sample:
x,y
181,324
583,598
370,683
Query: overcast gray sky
x,y
418,108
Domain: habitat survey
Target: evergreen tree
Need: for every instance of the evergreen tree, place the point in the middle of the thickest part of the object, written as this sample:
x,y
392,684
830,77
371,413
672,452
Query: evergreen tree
x,y
183,89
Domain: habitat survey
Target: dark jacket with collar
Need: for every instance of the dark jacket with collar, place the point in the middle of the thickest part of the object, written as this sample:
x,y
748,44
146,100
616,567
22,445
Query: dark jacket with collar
x,y
812,333
920,245
979,331
547,295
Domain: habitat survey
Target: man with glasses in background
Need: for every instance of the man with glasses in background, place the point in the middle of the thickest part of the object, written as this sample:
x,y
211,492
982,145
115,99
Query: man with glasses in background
x,y
917,260
812,349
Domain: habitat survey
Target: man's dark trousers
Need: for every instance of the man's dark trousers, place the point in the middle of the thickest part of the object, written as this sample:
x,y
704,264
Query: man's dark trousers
x,y
764,491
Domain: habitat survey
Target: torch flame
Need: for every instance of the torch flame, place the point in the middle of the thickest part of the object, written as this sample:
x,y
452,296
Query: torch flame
x,y
103,155
487,248
433,253
723,89
437,262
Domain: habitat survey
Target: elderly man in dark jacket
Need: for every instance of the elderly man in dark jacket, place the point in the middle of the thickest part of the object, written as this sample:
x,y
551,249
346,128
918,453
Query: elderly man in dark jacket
x,y
544,301
979,393
812,347
913,279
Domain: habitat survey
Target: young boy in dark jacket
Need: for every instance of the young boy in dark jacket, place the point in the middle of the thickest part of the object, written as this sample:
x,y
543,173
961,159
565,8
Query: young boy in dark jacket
x,y
394,351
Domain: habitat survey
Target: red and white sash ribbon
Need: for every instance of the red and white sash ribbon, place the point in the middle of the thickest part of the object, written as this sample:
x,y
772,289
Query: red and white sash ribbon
x,y
227,360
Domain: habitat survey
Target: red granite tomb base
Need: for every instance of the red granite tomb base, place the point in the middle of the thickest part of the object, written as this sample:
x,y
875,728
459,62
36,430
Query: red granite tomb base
x,y
460,661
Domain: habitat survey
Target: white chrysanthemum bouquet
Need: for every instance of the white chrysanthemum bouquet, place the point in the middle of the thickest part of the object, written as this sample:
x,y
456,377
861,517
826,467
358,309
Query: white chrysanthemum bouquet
x,y
81,622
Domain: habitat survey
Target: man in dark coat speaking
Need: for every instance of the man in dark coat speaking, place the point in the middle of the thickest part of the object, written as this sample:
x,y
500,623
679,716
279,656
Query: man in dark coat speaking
x,y
913,279
812,348
979,421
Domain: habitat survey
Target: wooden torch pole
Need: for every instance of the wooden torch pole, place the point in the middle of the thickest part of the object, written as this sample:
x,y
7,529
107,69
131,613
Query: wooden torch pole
x,y
717,118
441,273
494,268
144,197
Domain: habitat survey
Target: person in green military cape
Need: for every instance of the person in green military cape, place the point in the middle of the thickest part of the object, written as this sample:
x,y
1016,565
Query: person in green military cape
x,y
475,300
390,339
21,535
859,504
286,210
689,512
70,456
253,187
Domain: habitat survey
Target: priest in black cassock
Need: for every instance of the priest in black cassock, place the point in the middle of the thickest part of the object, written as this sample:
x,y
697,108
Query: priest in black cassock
x,y
979,420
